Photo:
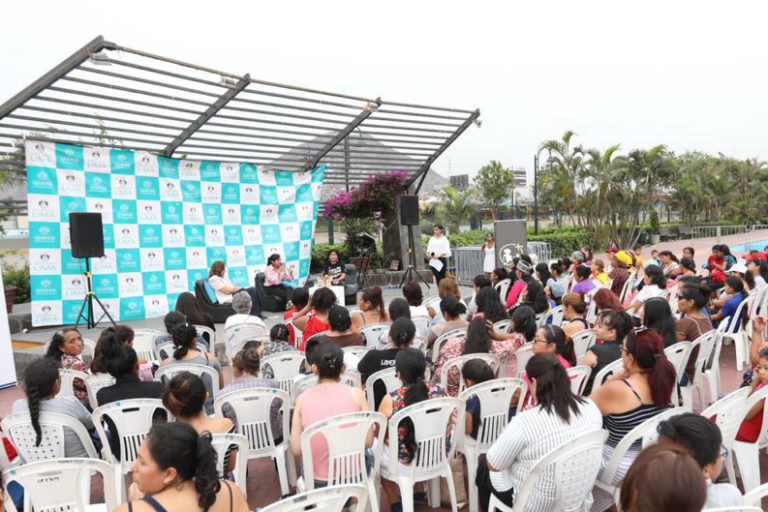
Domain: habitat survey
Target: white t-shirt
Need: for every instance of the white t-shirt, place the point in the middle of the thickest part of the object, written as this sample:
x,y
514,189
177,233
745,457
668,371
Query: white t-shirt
x,y
648,292
218,282
244,319
723,495
439,246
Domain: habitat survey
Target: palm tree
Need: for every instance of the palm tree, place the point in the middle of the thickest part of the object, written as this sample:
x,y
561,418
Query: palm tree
x,y
569,164
457,207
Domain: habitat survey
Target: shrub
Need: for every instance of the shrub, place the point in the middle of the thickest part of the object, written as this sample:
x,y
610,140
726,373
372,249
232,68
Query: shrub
x,y
18,278
320,254
653,223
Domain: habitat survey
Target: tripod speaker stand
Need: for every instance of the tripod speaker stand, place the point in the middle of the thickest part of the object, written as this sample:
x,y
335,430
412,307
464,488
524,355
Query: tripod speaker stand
x,y
87,236
411,270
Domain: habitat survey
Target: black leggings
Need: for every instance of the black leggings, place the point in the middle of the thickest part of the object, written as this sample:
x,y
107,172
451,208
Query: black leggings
x,y
485,487
440,275
255,302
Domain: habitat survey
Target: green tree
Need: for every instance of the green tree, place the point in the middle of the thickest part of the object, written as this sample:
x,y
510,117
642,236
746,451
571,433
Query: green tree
x,y
457,207
563,170
495,183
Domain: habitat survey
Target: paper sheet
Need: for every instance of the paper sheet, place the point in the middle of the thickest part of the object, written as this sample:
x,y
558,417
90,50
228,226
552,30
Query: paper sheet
x,y
436,264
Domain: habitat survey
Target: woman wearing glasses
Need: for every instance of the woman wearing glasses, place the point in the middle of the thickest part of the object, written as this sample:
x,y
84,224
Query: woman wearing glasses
x,y
631,396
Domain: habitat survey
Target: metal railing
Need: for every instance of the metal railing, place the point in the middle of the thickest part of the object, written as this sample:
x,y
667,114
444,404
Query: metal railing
x,y
467,262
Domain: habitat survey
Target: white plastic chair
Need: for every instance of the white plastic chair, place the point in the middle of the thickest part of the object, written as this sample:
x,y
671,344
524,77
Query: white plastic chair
x,y
345,436
455,333
144,343
522,355
285,366
235,336
67,378
579,376
591,314
739,337
221,443
677,354
170,370
315,336
297,334
576,463
502,326
434,303
555,316
388,378
89,347
422,323
607,370
372,332
646,432
252,408
168,348
708,346
431,419
626,289
207,334
730,411
755,496
357,351
18,427
503,288
495,398
64,484
352,379
327,499
747,454
94,384
457,363
132,419
582,340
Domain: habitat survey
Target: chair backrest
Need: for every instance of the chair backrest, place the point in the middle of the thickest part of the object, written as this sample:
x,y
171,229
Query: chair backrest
x,y
503,288
239,444
316,335
89,346
207,334
67,378
63,484
433,302
353,379
459,362
252,409
285,366
432,421
132,419
591,314
502,326
372,332
357,351
729,411
755,496
677,354
388,378
167,347
346,436
575,464
579,376
495,397
422,324
297,334
94,384
168,371
455,333
646,433
582,340
522,355
735,320
555,316
144,343
625,289
707,344
18,427
327,499
605,372
420,343
235,336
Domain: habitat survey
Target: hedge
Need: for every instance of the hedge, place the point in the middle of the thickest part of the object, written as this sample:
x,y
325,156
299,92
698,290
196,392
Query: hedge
x,y
320,255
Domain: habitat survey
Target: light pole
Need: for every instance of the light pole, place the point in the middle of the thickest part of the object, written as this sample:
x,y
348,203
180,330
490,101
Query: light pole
x,y
536,194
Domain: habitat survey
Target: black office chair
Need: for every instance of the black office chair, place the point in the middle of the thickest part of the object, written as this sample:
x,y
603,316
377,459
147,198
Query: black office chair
x,y
268,302
219,312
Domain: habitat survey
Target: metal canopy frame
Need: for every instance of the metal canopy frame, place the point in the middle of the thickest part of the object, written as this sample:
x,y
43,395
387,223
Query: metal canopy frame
x,y
107,94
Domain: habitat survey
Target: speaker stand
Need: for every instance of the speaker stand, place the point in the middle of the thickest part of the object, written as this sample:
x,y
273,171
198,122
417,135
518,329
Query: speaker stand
x,y
90,296
411,270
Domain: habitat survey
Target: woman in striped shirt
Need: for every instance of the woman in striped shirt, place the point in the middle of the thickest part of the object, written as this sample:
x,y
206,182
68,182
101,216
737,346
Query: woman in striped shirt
x,y
630,397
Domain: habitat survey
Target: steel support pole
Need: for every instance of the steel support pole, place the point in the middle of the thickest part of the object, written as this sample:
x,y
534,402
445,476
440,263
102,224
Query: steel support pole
x,y
536,194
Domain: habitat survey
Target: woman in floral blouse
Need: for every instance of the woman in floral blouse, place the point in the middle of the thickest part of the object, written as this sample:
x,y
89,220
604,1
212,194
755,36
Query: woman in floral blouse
x,y
66,348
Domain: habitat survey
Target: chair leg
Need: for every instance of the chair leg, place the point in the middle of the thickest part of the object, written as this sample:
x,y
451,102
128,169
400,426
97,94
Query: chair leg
x,y
291,466
474,497
373,497
730,468
406,493
433,493
280,458
747,459
452,489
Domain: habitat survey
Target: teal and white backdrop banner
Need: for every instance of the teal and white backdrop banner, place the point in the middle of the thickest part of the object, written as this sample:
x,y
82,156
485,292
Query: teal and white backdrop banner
x,y
165,221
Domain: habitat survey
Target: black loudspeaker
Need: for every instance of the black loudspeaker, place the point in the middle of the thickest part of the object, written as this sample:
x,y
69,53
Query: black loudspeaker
x,y
86,234
409,210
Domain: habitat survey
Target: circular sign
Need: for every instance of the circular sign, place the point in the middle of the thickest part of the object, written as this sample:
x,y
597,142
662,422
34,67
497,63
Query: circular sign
x,y
509,251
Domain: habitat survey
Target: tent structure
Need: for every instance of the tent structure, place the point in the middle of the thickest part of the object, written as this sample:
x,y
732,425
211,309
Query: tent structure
x,y
107,94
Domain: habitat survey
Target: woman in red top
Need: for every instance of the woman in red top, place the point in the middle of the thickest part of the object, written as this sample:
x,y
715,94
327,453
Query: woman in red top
x,y
716,265
299,300
313,318
750,428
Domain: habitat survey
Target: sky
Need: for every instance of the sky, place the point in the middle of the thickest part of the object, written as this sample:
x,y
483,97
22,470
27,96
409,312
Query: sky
x,y
691,75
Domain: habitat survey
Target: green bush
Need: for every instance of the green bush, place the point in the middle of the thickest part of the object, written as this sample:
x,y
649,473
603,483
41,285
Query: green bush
x,y
653,222
320,254
563,244
19,278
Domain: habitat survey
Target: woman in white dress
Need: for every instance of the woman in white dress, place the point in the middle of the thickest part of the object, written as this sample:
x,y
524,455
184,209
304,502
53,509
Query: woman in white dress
x,y
438,248
489,254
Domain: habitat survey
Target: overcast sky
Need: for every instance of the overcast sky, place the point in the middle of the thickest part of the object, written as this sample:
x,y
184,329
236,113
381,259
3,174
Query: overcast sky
x,y
689,74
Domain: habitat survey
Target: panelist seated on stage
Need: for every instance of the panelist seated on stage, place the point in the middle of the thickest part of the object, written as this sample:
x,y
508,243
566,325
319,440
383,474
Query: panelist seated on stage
x,y
277,279
334,268
224,289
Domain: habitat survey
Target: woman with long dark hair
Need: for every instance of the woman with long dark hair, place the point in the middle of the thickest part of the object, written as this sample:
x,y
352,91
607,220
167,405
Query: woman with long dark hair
x,y
42,385
372,309
400,336
535,297
654,284
734,290
489,305
452,309
187,351
657,315
639,392
524,273
611,327
187,305
410,365
66,349
176,470
759,270
313,318
558,413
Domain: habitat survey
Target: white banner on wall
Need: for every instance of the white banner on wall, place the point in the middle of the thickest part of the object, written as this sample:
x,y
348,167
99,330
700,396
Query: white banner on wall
x,y
7,367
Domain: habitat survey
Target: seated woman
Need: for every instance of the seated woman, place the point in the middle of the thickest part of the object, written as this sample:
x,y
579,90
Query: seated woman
x,y
654,284
535,297
451,309
313,318
606,299
241,303
559,413
657,315
702,439
176,470
187,305
478,283
415,297
171,320
597,272
124,335
334,269
734,290
523,273
499,274
554,286
398,308
611,327
446,288
41,385
186,351
66,349
522,330
474,372
329,397
549,339
410,366
341,333
278,280
489,306
372,310
401,335
185,397
752,426
225,290
629,397
299,299
574,308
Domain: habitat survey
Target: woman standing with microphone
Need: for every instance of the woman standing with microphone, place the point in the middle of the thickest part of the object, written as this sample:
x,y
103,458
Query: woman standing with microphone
x,y
489,254
438,251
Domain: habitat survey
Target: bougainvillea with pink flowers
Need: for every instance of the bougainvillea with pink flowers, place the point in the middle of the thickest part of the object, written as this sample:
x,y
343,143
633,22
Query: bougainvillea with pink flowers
x,y
375,195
